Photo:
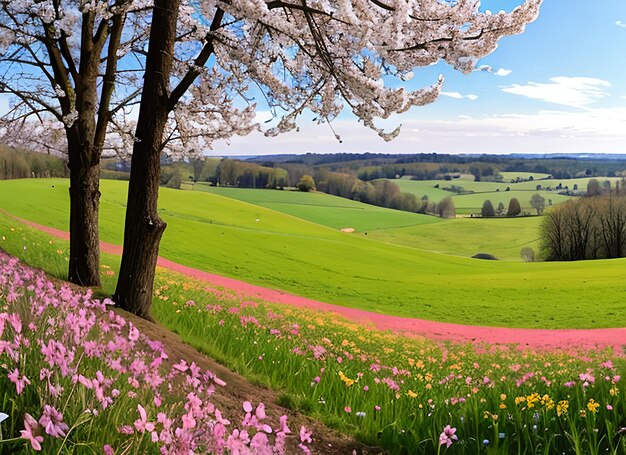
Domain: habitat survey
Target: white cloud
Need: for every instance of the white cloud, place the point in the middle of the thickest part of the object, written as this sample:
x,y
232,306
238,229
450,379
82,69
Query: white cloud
x,y
503,72
620,24
563,90
489,69
458,96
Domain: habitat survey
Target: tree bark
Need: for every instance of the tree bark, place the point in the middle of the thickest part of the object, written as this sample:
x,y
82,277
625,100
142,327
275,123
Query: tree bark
x,y
84,165
143,227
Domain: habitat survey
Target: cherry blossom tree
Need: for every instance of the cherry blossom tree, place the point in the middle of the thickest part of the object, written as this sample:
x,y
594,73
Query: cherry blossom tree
x,y
59,66
207,62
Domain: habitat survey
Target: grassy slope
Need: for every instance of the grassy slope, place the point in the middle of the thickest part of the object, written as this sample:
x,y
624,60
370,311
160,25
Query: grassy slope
x,y
502,237
221,235
508,176
331,211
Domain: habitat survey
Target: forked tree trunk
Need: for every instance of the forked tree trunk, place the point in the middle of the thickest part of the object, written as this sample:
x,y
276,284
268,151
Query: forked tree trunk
x,y
143,227
84,261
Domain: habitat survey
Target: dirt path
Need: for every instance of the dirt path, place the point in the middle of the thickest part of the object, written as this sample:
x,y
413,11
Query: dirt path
x,y
523,338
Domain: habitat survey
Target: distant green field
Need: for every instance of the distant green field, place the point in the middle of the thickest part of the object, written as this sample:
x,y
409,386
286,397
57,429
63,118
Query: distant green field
x,y
508,176
502,237
426,188
495,191
222,235
472,203
553,183
331,211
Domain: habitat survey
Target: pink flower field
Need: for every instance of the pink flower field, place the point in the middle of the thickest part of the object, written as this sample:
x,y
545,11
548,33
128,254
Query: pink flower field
x,y
76,376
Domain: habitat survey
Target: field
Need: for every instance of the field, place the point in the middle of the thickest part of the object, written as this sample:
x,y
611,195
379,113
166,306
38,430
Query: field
x,y
404,394
502,237
222,235
331,211
512,176
471,203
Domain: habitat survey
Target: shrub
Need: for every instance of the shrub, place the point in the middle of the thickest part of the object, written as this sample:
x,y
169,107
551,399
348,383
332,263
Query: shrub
x,y
514,207
175,181
445,208
527,254
306,183
487,256
538,202
487,209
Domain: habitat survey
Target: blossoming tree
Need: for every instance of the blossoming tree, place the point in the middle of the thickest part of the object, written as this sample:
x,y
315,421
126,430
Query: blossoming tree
x,y
59,64
206,61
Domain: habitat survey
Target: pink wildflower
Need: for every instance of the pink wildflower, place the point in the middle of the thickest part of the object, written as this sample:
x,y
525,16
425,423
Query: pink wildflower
x,y
30,428
52,422
447,436
142,425
14,377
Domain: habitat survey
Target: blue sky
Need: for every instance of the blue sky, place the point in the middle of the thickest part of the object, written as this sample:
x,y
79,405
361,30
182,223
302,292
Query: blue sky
x,y
559,87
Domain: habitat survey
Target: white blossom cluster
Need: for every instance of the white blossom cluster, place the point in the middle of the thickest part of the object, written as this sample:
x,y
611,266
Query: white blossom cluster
x,y
325,55
290,55
40,58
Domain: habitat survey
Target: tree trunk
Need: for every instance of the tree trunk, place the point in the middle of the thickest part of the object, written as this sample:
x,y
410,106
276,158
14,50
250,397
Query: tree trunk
x,y
84,266
143,227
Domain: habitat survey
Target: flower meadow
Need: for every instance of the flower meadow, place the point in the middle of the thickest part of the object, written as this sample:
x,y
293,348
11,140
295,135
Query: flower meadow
x,y
407,394
404,394
76,377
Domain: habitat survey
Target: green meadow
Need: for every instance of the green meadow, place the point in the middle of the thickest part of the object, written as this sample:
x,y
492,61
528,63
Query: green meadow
x,y
472,203
266,247
512,176
331,211
480,191
502,237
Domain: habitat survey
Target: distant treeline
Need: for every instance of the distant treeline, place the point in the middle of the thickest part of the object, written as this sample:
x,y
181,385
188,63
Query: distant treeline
x,y
428,166
20,164
586,228
243,174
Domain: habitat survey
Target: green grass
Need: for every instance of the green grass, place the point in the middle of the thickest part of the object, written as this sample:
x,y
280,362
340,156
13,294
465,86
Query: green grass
x,y
389,390
508,176
553,183
331,211
502,237
494,191
221,235
472,203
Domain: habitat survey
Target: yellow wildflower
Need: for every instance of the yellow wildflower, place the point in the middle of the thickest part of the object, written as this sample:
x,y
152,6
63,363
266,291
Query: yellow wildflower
x,y
593,406
561,407
614,391
532,399
412,394
547,402
519,400
502,406
502,396
346,380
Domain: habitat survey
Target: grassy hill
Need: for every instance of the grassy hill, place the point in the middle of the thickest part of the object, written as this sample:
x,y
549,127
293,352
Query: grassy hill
x,y
331,211
270,248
